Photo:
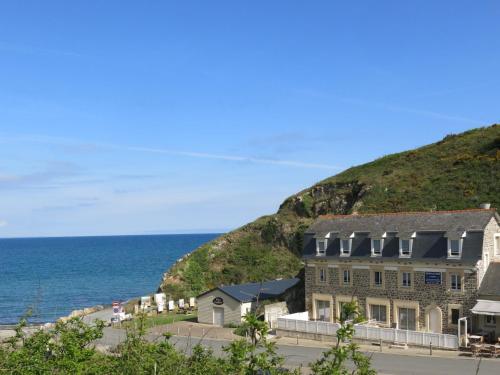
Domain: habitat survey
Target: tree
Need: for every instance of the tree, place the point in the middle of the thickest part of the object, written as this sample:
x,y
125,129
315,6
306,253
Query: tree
x,y
254,355
335,360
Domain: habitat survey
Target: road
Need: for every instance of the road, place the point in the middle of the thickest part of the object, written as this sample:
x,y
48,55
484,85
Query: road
x,y
384,363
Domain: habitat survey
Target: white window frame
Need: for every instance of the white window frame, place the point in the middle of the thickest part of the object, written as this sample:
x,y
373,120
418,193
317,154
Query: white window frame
x,y
322,275
403,273
458,280
371,305
344,253
496,247
325,243
460,243
375,278
343,276
374,254
410,247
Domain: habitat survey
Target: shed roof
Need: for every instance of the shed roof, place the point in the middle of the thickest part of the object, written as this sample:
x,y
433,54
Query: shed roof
x,y
252,291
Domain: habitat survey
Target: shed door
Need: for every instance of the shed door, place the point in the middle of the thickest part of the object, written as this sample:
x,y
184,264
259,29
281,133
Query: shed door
x,y
219,316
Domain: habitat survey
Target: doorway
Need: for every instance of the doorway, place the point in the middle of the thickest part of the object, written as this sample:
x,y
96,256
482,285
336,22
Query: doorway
x,y
435,320
219,316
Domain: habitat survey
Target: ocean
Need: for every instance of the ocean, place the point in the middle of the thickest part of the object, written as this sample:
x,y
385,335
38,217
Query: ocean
x,y
57,275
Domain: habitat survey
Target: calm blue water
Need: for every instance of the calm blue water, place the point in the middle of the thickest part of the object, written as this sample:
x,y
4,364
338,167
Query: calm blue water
x,y
59,275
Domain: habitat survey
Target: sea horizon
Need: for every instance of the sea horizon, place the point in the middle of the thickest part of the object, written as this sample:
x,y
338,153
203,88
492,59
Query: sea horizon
x,y
57,275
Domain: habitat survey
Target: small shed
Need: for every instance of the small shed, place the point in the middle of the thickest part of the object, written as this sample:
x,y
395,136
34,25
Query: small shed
x,y
228,304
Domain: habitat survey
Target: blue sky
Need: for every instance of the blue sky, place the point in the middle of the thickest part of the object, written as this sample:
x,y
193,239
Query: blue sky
x,y
122,117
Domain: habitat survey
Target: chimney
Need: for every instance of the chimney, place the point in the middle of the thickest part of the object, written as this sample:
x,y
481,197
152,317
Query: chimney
x,y
485,206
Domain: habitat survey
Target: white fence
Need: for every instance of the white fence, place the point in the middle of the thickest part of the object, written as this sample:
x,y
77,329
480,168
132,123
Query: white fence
x,y
371,333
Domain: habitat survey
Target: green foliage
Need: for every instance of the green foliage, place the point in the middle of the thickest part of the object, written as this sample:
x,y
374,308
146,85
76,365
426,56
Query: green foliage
x,y
270,231
250,260
68,349
461,171
161,319
256,355
335,360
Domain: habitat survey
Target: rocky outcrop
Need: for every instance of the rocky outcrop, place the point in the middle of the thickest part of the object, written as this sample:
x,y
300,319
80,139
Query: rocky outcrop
x,y
457,172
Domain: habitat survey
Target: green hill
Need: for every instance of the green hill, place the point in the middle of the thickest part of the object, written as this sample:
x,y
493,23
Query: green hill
x,y
461,171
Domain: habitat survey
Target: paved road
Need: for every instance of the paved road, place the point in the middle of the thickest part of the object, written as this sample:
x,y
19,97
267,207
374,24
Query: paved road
x,y
384,363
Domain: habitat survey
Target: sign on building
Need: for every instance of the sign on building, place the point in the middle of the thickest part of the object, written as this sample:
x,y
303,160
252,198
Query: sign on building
x,y
433,278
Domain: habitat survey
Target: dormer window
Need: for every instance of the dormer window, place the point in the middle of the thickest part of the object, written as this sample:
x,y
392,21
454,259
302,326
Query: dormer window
x,y
321,245
405,246
345,247
455,242
454,248
377,245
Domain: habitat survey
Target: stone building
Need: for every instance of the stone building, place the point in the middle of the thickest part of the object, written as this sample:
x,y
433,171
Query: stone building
x,y
416,271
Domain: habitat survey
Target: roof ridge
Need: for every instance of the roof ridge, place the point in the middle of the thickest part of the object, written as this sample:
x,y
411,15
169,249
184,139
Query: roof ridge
x,y
331,216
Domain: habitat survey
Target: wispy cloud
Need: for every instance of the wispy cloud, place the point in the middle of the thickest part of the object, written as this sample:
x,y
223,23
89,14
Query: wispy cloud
x,y
394,108
53,171
3,223
285,142
247,159
201,155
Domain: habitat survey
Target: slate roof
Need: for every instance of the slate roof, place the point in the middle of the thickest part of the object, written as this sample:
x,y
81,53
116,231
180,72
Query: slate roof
x,y
431,230
490,286
408,222
250,291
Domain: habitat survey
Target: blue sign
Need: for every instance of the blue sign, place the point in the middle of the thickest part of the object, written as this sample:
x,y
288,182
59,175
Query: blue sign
x,y
433,277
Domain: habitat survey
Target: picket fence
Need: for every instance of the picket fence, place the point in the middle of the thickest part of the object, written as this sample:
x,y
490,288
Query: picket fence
x,y
372,333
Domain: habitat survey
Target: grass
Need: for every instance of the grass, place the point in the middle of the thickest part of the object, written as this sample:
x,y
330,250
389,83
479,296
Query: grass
x,y
162,319
461,171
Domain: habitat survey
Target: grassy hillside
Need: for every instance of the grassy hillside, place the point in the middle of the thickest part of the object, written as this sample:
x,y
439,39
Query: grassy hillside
x,y
460,171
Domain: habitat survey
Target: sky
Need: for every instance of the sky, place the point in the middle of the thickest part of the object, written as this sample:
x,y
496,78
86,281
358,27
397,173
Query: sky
x,y
125,117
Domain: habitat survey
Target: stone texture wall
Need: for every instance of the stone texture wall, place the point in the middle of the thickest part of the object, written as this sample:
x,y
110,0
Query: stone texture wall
x,y
425,295
488,247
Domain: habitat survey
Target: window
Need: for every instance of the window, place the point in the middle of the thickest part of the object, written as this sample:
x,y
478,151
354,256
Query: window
x,y
321,247
378,313
323,310
490,320
322,275
455,315
455,282
346,276
406,279
377,278
345,247
497,244
407,319
454,248
377,247
405,248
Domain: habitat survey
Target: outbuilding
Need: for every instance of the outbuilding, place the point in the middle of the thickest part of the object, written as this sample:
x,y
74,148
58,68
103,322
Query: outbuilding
x,y
229,304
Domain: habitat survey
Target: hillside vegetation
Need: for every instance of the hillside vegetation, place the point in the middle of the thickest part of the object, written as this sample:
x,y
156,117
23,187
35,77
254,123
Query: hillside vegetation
x,y
461,171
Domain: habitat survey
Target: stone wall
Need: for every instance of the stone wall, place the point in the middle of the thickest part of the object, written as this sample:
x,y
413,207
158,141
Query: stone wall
x,y
424,295
488,248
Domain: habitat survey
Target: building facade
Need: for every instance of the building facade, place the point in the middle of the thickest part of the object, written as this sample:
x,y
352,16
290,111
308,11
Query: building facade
x,y
415,271
230,303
